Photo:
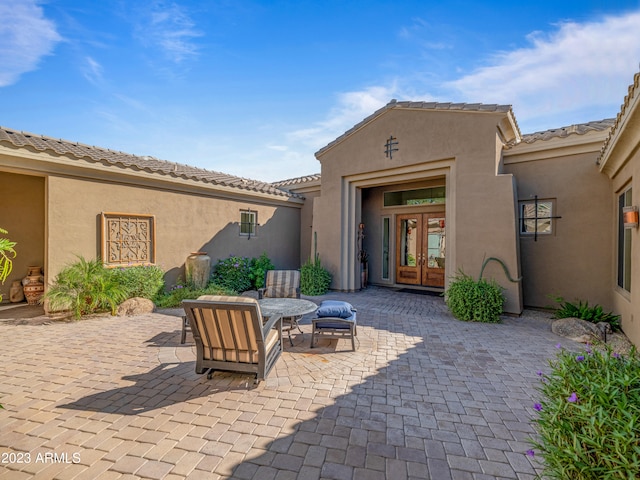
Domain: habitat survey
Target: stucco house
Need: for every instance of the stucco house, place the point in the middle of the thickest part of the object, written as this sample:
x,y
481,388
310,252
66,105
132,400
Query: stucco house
x,y
426,189
62,199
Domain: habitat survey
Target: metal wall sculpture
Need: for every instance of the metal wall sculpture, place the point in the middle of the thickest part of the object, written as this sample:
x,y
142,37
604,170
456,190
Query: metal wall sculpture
x,y
128,239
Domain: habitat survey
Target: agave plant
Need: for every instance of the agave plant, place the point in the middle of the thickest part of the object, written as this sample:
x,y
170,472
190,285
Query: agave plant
x,y
85,287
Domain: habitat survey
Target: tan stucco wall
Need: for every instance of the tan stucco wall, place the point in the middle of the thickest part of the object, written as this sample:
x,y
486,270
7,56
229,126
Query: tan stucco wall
x,y
306,225
622,164
22,214
462,147
627,304
574,261
184,223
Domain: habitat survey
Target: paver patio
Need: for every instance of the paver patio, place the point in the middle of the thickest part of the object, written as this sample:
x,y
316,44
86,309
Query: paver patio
x,y
424,396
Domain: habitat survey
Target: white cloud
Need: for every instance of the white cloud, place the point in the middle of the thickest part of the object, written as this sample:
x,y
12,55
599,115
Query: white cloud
x,y
352,107
571,69
278,148
168,27
25,37
92,71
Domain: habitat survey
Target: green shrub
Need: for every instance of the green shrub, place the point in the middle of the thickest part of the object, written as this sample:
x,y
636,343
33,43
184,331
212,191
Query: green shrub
x,y
233,273
583,311
588,416
85,287
314,278
179,292
7,254
259,267
140,281
474,301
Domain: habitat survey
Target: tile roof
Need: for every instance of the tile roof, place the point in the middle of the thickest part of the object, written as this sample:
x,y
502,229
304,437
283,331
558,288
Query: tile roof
x,y
632,93
578,129
457,107
149,164
298,180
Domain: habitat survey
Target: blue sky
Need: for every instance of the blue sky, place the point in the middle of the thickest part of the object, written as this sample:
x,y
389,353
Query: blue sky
x,y
254,89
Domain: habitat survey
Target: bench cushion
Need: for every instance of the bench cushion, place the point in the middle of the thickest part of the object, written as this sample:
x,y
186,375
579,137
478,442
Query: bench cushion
x,y
335,308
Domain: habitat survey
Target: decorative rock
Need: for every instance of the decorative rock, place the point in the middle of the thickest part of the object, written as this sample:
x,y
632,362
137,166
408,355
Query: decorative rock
x,y
605,329
135,306
576,329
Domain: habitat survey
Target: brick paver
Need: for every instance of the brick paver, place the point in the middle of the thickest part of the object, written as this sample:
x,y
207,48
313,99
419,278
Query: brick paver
x,y
424,396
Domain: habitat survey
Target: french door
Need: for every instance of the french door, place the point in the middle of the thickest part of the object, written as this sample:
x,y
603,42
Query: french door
x,y
420,249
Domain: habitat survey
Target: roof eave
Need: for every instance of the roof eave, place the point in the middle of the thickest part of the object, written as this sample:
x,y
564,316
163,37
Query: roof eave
x,y
511,126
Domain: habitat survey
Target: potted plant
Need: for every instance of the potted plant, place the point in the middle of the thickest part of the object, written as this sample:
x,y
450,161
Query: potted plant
x,y
363,256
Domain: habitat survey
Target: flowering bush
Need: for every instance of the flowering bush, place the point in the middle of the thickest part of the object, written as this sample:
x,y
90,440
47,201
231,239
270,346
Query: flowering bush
x,y
589,416
233,273
259,267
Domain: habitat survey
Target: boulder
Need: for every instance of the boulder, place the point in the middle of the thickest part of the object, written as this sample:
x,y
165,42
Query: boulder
x,y
577,330
136,306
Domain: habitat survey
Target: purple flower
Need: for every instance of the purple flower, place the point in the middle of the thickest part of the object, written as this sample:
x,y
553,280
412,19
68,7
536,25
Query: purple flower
x,y
573,398
588,349
558,345
539,373
616,355
537,407
531,453
579,358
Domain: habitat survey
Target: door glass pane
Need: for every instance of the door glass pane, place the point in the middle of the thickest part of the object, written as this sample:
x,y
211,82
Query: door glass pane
x,y
435,243
385,248
408,242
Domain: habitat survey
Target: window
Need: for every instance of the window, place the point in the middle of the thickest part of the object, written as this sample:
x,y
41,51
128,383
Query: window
x,y
624,243
128,239
536,217
248,222
421,196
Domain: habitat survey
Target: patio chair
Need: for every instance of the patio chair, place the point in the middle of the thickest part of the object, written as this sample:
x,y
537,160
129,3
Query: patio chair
x,y
185,328
283,284
230,335
334,319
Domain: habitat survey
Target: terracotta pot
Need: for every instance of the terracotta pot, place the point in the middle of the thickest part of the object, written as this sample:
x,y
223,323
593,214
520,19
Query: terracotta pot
x,y
33,285
34,292
34,271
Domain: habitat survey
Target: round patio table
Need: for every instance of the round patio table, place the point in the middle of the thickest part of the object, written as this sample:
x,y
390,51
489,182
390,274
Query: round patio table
x,y
291,310
287,307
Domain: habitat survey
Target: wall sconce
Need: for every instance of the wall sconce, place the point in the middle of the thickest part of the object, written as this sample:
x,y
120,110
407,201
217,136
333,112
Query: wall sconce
x,y
630,217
